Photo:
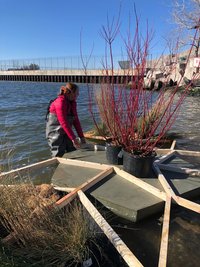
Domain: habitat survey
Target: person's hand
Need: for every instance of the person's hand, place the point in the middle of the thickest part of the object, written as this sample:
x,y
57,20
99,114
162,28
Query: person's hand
x,y
83,141
76,143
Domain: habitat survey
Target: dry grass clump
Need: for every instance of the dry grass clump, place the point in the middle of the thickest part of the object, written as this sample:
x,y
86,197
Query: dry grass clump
x,y
39,233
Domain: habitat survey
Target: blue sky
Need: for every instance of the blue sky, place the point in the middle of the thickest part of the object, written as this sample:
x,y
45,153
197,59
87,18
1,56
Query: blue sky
x,y
51,28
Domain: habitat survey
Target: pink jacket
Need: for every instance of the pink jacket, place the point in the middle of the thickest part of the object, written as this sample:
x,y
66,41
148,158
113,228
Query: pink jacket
x,y
62,107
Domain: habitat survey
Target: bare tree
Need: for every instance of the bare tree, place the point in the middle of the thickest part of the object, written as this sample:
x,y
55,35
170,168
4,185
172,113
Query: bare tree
x,y
186,15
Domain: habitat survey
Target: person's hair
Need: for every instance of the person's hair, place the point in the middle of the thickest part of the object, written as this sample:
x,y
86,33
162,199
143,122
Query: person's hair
x,y
68,88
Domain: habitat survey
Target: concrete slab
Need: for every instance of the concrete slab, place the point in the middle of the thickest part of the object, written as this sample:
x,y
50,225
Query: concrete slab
x,y
119,195
114,192
183,184
72,176
126,199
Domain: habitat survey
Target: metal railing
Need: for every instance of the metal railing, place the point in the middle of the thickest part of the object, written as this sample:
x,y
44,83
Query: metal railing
x,y
60,63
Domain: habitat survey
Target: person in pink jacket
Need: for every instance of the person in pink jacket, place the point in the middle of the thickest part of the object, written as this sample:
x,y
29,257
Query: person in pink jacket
x,y
60,119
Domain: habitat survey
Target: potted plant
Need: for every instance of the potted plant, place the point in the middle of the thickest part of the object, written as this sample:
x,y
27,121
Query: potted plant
x,y
136,118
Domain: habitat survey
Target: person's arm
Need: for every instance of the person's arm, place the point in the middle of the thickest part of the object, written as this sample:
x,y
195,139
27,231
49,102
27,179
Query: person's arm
x,y
77,123
61,112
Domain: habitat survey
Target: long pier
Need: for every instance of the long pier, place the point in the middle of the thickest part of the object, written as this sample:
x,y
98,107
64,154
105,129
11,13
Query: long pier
x,y
63,69
77,76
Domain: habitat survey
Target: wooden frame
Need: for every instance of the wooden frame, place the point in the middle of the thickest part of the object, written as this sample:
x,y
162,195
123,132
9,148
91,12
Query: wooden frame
x,y
120,246
170,194
167,195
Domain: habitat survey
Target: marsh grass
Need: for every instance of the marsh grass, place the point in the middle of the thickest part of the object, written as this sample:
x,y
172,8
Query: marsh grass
x,y
40,234
144,122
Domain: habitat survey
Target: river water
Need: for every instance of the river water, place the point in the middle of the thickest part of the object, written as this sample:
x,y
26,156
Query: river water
x,y
22,121
22,141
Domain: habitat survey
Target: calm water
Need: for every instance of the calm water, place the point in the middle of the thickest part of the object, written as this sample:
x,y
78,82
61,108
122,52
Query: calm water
x,y
22,121
22,141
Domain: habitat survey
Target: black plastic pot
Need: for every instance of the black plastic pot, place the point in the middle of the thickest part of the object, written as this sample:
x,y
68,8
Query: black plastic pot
x,y
139,166
113,154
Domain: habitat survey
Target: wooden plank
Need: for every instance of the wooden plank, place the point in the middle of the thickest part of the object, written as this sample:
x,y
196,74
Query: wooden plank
x,y
165,234
10,185
169,191
85,186
192,172
149,188
188,152
163,150
80,163
120,246
165,157
63,189
173,145
30,167
188,204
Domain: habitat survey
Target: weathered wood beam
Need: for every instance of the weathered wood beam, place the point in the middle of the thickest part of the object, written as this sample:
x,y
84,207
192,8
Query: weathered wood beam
x,y
169,191
188,152
120,246
30,167
63,189
165,234
173,145
188,204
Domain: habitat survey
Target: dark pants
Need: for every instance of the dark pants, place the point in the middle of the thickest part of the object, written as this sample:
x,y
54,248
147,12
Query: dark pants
x,y
58,140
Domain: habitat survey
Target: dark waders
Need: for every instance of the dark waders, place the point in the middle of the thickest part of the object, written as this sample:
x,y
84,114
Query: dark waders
x,y
58,140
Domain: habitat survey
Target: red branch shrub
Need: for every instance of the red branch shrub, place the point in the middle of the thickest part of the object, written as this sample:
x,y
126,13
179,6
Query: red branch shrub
x,y
136,118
